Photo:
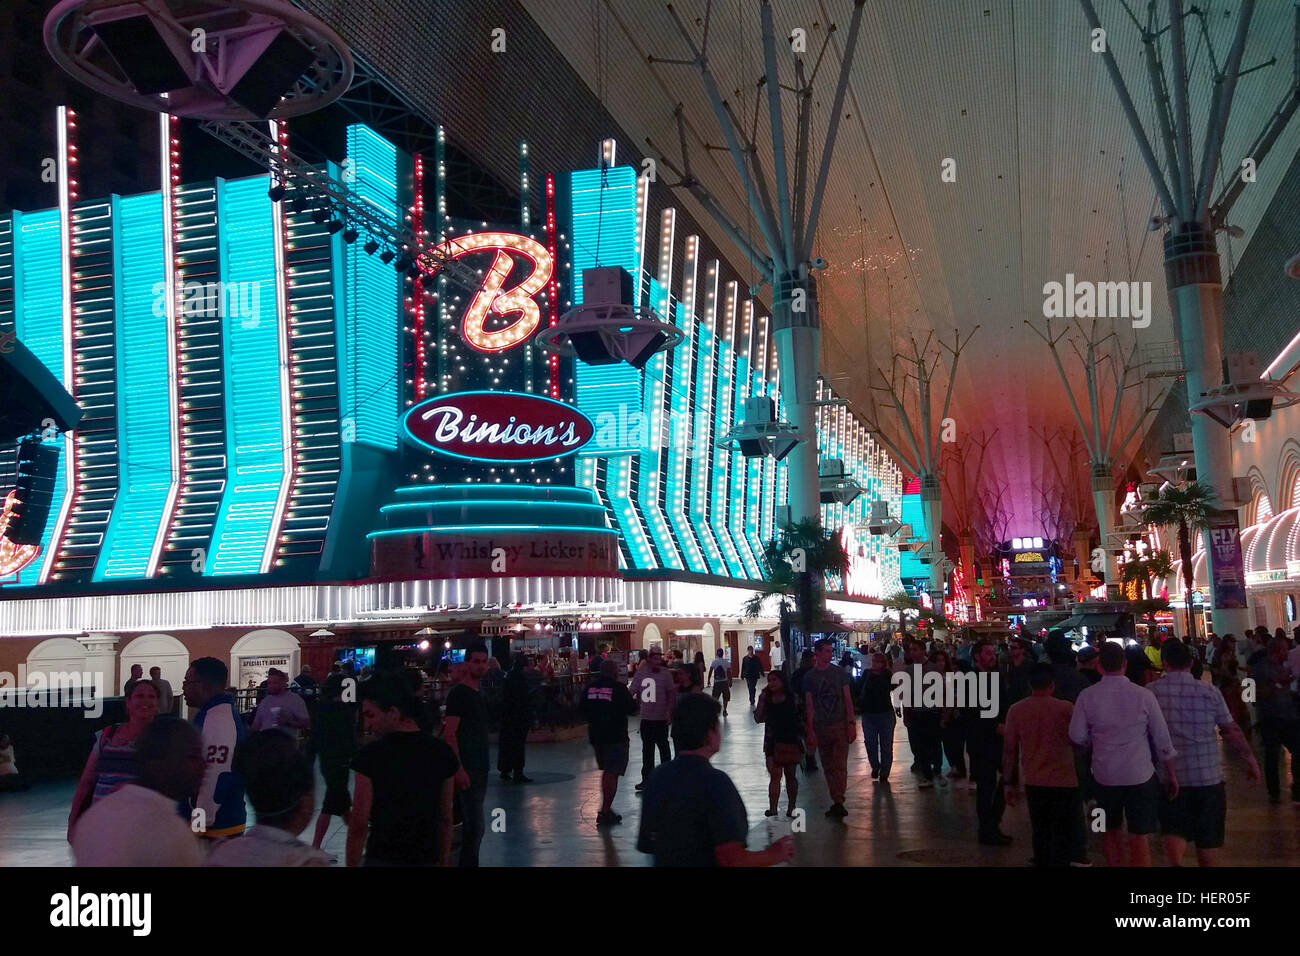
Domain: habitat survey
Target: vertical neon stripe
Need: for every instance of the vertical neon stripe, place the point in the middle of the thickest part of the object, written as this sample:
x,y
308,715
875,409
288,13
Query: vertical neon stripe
x,y
254,403
144,415
169,168
63,503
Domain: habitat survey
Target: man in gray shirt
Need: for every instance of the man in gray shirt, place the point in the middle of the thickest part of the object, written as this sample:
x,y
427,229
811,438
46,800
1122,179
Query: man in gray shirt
x,y
653,689
828,711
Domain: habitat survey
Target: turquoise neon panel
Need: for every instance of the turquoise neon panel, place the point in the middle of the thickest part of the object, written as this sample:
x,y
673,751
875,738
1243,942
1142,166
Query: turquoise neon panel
x,y
254,416
651,461
38,321
910,565
604,233
722,459
370,340
144,410
704,449
737,504
754,492
679,441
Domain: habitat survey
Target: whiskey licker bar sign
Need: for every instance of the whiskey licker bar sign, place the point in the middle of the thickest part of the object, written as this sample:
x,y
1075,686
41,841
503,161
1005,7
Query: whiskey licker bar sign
x,y
505,427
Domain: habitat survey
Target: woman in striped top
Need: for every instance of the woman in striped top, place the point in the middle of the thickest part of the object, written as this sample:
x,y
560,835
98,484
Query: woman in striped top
x,y
112,761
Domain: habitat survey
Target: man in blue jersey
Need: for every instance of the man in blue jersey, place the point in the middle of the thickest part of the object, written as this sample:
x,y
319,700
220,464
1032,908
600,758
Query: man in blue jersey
x,y
219,809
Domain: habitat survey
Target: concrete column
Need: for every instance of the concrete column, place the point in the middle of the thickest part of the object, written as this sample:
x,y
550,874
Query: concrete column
x,y
797,334
1083,555
1103,499
1195,286
966,546
932,504
101,662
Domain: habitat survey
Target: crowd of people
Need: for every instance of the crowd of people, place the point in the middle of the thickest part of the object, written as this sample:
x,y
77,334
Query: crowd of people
x,y
1122,736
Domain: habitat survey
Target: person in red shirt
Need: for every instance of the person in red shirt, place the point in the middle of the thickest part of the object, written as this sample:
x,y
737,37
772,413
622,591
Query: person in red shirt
x,y
1037,738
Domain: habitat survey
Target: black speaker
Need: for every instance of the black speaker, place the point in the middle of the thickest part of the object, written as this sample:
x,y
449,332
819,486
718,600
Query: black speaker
x,y
141,54
654,345
1258,408
751,447
590,348
34,491
279,67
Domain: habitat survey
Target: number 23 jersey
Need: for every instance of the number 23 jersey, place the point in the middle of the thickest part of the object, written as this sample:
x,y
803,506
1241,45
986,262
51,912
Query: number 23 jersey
x,y
221,795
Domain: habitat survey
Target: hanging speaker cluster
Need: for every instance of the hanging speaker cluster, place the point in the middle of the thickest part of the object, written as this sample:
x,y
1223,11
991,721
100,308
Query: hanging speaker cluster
x,y
204,59
607,328
33,491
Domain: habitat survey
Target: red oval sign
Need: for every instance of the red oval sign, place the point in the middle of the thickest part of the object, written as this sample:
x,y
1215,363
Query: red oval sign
x,y
498,426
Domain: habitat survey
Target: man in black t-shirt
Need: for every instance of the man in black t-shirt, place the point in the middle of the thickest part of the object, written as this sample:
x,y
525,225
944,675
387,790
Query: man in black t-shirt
x,y
606,704
401,813
692,814
466,730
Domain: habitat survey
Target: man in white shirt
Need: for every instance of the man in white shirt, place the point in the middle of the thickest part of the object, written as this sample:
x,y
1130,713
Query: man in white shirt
x,y
777,655
138,824
1121,724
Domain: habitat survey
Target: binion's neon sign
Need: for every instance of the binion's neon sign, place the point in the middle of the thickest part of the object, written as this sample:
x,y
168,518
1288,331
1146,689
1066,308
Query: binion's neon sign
x,y
498,426
491,298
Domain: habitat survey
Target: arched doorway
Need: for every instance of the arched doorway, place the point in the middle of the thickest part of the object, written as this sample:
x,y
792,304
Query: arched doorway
x,y
650,636
254,654
157,650
58,654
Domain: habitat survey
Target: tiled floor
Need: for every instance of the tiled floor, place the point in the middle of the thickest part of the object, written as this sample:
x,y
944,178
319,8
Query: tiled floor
x,y
551,822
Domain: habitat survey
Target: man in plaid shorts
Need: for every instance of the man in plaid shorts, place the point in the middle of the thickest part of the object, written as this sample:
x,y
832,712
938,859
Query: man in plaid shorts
x,y
1192,710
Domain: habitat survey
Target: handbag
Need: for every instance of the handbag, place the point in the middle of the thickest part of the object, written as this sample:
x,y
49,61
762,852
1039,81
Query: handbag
x,y
787,755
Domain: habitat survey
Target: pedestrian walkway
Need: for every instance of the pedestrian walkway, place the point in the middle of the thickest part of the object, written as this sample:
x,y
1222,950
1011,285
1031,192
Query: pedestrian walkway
x,y
552,821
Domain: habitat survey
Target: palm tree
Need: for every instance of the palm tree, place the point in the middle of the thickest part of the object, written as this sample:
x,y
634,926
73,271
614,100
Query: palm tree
x,y
1185,508
903,603
795,565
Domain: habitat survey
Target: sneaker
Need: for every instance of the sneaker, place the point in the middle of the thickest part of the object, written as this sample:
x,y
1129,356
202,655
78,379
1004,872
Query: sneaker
x,y
925,784
520,778
640,786
608,819
769,813
837,810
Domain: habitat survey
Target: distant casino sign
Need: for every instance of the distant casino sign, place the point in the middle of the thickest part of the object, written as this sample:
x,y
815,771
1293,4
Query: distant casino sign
x,y
498,426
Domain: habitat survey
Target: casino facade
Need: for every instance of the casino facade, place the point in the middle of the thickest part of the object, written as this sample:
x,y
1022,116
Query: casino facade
x,y
292,451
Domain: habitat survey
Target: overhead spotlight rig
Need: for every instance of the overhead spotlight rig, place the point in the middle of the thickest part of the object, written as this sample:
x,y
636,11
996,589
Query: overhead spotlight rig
x,y
336,205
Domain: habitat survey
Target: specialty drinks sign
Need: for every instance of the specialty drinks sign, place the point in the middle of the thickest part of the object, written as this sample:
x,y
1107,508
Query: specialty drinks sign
x,y
498,426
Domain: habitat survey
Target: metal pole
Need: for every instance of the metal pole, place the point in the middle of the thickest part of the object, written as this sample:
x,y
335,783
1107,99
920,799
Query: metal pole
x,y
778,135
1126,102
850,45
1183,129
1220,111
728,132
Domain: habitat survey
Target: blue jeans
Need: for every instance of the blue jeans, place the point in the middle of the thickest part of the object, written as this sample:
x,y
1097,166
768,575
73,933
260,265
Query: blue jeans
x,y
878,735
